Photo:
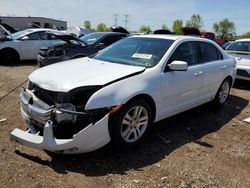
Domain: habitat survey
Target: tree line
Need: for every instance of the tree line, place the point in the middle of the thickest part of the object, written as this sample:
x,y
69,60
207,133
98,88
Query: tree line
x,y
224,29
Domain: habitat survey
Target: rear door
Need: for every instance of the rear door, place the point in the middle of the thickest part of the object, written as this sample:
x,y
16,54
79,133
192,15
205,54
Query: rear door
x,y
214,69
50,40
31,46
180,90
35,41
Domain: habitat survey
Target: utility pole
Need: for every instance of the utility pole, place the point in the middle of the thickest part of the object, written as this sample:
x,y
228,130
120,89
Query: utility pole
x,y
126,20
116,19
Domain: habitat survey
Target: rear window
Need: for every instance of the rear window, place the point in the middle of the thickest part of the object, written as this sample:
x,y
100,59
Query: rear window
x,y
208,53
92,37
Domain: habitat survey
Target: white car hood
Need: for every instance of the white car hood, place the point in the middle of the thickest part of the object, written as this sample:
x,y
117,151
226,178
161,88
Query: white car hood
x,y
68,75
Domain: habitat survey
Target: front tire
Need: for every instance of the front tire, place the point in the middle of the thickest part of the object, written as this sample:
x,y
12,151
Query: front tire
x,y
222,94
131,123
9,56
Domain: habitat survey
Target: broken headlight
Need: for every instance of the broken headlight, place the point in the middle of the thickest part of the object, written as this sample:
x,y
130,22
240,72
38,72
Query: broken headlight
x,y
64,113
72,106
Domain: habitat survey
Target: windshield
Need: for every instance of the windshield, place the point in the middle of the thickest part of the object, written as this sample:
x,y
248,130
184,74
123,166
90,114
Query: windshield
x,y
240,46
137,51
21,33
92,37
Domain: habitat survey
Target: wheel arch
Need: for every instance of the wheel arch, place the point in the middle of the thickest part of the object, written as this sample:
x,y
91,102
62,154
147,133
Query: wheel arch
x,y
147,98
78,56
10,49
230,78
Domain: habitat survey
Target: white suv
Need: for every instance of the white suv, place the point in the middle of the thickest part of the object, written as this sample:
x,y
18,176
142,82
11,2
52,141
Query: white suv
x,y
81,105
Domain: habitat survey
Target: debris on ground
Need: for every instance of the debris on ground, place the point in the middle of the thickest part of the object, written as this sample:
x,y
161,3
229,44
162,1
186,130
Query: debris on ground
x,y
3,120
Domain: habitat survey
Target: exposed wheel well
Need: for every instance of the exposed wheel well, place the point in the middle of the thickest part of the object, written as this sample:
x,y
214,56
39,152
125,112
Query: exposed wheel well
x,y
78,56
230,79
10,50
148,99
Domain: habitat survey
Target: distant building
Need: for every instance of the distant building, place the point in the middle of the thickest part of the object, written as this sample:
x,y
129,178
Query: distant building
x,y
29,22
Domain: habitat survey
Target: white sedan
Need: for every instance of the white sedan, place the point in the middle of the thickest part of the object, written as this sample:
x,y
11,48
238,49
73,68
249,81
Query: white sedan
x,y
25,45
81,105
241,50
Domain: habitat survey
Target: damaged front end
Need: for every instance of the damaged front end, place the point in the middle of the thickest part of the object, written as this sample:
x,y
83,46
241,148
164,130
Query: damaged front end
x,y
58,121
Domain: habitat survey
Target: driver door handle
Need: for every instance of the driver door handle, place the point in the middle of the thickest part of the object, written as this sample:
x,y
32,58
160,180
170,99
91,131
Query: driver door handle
x,y
198,73
223,67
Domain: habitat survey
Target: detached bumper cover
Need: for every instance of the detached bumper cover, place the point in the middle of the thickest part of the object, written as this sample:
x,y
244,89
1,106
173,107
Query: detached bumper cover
x,y
89,139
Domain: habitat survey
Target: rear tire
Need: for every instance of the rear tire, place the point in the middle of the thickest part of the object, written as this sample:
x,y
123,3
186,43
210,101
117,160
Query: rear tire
x,y
131,123
222,93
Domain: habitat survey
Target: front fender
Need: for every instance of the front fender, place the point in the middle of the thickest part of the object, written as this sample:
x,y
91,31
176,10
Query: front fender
x,y
122,91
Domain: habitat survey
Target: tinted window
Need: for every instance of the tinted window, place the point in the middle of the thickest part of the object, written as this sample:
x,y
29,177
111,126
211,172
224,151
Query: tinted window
x,y
188,52
208,53
92,37
38,36
240,46
110,39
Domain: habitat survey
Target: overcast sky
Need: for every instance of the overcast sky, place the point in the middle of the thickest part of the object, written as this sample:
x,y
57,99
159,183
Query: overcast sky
x,y
153,13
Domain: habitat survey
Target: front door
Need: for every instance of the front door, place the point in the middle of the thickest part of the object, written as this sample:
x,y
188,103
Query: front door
x,y
180,90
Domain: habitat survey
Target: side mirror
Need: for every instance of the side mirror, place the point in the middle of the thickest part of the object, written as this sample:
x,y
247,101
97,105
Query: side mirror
x,y
24,38
100,46
178,66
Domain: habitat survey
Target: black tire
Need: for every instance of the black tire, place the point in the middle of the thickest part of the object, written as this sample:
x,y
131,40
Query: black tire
x,y
9,56
222,93
137,128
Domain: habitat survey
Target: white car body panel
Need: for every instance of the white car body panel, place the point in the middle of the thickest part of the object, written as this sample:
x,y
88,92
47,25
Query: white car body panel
x,y
171,91
243,64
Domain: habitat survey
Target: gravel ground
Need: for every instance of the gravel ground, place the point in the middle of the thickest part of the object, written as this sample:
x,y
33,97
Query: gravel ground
x,y
199,148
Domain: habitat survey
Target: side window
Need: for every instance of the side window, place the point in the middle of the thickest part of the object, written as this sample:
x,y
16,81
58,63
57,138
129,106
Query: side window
x,y
38,36
110,39
51,37
188,52
208,53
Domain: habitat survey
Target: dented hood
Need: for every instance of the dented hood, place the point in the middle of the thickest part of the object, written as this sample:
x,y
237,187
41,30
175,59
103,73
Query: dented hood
x,y
65,76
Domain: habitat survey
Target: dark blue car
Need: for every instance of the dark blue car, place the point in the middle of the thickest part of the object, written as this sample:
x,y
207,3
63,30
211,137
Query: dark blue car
x,y
75,47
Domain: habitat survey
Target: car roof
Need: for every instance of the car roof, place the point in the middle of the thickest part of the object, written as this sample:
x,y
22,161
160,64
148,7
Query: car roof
x,y
111,33
40,29
170,37
247,40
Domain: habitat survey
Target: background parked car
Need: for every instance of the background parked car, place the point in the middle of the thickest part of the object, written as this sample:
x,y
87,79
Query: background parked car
x,y
76,47
25,44
225,45
241,50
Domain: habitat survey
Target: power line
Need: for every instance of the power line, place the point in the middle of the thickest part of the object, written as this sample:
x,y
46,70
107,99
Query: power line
x,y
126,20
116,18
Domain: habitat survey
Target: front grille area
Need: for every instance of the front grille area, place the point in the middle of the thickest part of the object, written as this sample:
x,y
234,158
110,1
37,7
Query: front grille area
x,y
37,109
244,73
50,97
40,107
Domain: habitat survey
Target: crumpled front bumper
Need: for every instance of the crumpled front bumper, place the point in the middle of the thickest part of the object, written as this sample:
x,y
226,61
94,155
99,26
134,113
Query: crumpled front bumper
x,y
90,138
